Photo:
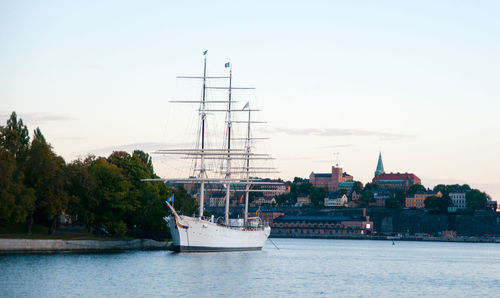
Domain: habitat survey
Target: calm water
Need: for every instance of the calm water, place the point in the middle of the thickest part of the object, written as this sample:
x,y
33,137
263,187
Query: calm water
x,y
302,267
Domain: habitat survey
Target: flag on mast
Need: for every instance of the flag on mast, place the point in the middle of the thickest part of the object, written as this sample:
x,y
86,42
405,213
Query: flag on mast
x,y
170,199
246,105
205,52
227,65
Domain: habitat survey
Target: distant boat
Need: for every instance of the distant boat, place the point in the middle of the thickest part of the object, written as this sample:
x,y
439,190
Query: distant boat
x,y
197,233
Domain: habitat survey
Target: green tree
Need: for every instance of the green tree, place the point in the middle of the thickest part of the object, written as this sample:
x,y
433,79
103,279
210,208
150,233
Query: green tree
x,y
416,188
184,203
149,197
286,199
372,186
437,204
476,199
366,198
14,138
45,174
109,202
317,196
145,159
446,189
305,188
392,203
432,203
397,201
400,195
81,189
358,186
16,200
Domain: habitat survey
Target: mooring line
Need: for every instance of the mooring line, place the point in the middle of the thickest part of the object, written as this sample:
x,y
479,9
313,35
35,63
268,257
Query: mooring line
x,y
273,243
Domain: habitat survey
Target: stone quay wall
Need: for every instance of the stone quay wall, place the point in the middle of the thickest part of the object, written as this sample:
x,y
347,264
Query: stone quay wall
x,y
61,246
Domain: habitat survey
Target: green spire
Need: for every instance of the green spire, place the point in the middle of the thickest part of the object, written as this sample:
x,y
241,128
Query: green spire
x,y
380,165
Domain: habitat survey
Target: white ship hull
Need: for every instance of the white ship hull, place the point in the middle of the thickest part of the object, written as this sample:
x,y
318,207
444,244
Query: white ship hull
x,y
191,234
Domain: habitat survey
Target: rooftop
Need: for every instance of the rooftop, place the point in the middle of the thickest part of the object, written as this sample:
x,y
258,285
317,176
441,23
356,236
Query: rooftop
x,y
312,218
396,176
335,195
322,175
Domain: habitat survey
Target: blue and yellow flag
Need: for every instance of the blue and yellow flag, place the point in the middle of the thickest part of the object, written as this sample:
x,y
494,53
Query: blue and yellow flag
x,y
227,65
170,199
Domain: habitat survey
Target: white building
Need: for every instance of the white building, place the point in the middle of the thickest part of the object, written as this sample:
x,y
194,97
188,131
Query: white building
x,y
458,199
217,202
335,200
275,189
263,201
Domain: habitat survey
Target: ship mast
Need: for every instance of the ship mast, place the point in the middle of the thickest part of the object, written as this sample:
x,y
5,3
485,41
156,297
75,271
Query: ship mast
x,y
228,163
202,157
228,153
247,186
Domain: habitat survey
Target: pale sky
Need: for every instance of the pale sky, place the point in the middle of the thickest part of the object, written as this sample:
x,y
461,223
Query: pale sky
x,y
417,81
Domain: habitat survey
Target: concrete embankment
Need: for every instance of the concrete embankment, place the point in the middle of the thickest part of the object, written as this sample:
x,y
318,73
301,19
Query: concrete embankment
x,y
61,246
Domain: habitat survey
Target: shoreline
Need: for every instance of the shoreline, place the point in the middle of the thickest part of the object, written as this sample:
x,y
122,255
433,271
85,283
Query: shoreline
x,y
49,246
55,246
391,238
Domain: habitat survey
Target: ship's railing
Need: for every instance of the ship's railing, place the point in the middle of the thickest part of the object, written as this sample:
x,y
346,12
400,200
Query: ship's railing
x,y
256,223
253,223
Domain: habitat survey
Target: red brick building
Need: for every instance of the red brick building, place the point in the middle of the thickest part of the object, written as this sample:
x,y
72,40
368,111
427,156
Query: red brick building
x,y
320,226
396,180
267,216
331,180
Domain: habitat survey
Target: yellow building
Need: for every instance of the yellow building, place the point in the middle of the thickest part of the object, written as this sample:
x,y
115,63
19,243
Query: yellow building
x,y
303,200
417,200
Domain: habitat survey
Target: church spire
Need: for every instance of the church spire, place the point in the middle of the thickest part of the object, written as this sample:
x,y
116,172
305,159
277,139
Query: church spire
x,y
380,165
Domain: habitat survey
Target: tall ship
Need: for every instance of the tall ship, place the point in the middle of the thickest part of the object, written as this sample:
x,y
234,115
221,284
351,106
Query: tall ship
x,y
230,167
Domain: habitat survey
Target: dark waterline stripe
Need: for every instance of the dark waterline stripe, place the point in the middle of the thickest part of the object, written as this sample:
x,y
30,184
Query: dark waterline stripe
x,y
213,249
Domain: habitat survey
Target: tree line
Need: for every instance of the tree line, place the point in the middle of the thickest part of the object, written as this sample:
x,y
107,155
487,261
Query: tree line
x,y
37,186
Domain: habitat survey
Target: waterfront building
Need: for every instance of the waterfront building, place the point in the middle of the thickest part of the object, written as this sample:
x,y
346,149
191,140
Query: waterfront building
x,y
321,226
493,205
330,181
347,185
217,201
303,200
275,189
355,195
353,199
397,180
417,200
394,180
264,201
266,214
335,199
380,195
458,199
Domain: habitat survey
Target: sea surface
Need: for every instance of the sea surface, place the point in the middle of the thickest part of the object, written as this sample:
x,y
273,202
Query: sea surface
x,y
299,268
